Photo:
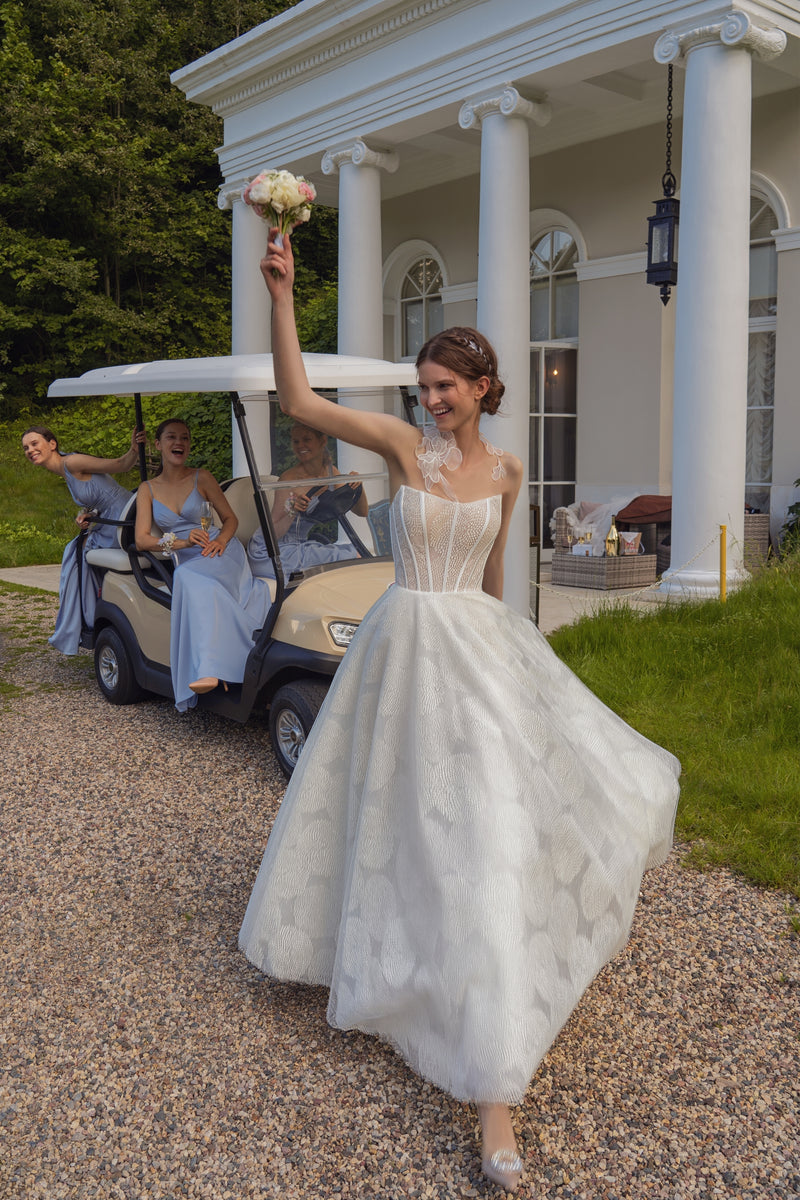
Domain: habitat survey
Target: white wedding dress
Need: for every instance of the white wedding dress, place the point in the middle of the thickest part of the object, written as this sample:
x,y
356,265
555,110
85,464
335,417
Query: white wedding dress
x,y
461,846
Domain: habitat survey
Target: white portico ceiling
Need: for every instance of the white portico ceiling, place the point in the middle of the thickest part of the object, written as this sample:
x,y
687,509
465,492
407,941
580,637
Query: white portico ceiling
x,y
396,74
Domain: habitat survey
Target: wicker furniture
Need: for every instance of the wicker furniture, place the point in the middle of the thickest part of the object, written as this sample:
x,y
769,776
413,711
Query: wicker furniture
x,y
656,540
622,571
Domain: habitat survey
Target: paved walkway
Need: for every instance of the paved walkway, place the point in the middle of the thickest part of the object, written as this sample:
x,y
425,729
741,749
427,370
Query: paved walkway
x,y
558,605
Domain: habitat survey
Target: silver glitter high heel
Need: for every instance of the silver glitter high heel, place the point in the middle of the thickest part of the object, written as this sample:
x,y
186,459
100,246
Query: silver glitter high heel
x,y
502,1166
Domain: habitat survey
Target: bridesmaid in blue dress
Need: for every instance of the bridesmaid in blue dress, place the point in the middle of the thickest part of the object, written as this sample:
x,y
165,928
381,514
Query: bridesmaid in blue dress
x,y
90,484
217,605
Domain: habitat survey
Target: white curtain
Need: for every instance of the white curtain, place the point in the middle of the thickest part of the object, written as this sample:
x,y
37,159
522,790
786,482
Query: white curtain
x,y
760,400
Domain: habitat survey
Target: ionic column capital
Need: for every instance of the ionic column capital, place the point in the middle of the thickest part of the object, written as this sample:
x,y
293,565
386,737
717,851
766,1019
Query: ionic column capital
x,y
508,102
229,192
735,29
359,154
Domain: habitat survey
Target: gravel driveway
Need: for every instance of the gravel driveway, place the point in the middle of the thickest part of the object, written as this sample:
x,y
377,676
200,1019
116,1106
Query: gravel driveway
x,y
142,1057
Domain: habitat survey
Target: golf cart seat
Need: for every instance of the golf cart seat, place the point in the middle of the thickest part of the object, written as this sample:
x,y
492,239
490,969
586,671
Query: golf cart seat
x,y
239,494
116,558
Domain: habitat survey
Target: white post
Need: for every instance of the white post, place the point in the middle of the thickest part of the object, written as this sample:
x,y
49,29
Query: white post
x,y
360,315
250,317
504,292
711,324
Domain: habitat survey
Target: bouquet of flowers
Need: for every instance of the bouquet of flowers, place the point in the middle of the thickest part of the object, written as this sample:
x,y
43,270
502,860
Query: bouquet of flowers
x,y
280,198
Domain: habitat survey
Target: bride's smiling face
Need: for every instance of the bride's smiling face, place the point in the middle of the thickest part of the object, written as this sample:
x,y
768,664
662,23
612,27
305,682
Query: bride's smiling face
x,y
450,398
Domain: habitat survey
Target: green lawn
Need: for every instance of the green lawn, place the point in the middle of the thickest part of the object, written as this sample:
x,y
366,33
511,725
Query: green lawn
x,y
719,686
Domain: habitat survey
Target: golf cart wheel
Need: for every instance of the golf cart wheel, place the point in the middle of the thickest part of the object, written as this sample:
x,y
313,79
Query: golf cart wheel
x,y
113,669
292,712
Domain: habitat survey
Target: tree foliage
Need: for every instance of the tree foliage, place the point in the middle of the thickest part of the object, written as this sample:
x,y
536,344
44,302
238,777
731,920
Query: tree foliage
x,y
112,247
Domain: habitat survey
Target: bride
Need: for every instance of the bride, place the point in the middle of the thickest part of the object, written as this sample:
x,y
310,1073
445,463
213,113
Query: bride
x,y
461,846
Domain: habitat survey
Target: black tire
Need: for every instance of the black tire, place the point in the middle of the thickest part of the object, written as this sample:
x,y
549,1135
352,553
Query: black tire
x,y
113,669
292,712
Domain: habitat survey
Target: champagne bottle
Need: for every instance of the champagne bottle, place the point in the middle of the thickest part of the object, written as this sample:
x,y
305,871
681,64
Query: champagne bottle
x,y
612,541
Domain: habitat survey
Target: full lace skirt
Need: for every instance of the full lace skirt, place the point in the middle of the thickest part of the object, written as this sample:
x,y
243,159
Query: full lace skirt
x,y
461,847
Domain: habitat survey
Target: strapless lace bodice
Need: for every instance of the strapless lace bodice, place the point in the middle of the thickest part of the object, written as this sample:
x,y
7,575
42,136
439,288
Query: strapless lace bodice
x,y
442,545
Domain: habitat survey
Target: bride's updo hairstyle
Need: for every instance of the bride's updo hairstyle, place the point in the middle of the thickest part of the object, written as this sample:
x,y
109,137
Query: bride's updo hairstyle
x,y
467,353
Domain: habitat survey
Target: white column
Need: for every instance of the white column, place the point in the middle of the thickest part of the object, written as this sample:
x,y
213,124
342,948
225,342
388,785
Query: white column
x,y
504,292
360,313
711,323
250,317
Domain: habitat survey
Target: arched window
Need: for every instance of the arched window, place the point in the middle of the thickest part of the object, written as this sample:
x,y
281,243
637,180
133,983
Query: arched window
x,y
761,354
421,308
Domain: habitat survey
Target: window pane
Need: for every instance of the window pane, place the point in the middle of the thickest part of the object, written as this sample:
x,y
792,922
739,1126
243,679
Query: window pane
x,y
566,306
559,448
540,310
763,280
433,276
435,316
413,327
541,255
759,445
533,465
567,253
559,381
762,219
536,358
761,370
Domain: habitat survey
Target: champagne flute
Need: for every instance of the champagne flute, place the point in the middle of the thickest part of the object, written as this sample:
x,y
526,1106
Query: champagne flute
x,y
206,516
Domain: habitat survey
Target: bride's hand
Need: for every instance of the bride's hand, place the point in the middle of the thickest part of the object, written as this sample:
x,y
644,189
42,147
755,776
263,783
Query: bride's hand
x,y
277,265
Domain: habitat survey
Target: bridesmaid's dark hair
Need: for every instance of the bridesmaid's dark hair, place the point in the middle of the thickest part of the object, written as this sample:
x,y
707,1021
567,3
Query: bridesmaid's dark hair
x,y
160,430
469,354
44,432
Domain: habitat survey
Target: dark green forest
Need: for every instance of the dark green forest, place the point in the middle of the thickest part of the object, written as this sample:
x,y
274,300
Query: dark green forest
x,y
112,247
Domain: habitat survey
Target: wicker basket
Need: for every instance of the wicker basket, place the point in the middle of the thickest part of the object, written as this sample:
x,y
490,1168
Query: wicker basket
x,y
624,571
756,539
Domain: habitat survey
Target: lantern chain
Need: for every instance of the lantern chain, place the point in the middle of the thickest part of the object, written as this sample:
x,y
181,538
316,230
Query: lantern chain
x,y
668,181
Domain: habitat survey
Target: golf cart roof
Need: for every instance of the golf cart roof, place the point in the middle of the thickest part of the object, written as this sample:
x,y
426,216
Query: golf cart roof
x,y
247,374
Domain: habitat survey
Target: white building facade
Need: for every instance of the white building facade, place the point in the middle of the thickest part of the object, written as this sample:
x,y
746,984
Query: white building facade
x,y
494,163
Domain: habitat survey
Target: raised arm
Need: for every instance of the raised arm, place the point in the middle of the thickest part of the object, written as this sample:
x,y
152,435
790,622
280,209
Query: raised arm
x,y
386,435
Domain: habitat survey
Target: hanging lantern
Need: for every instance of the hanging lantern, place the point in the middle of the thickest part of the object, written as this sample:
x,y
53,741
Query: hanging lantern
x,y
662,231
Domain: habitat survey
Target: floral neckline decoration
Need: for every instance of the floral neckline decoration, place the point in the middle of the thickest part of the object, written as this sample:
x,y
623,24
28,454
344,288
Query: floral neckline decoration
x,y
439,450
498,470
435,451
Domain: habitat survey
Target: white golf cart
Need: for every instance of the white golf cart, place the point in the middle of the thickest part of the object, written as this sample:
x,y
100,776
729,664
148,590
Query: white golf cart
x,y
314,611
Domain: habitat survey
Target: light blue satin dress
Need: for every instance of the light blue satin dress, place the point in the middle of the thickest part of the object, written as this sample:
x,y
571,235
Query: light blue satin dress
x,y
297,554
108,498
217,605
297,550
